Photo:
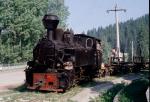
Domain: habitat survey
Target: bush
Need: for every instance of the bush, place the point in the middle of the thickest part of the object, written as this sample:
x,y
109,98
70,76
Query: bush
x,y
135,92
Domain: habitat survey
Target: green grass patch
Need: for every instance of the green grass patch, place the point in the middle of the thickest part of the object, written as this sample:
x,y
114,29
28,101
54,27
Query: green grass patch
x,y
21,88
135,92
144,73
21,94
109,95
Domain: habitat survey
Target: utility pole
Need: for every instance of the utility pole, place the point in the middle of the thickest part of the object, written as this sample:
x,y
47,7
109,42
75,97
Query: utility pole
x,y
132,51
116,9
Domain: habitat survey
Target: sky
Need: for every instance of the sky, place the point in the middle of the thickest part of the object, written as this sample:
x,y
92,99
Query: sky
x,y
88,14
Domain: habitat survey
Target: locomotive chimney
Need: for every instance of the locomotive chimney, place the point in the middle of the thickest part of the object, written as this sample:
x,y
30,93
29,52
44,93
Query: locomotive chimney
x,y
50,23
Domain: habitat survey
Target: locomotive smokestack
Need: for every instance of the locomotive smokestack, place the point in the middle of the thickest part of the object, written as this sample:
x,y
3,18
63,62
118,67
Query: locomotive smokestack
x,y
50,23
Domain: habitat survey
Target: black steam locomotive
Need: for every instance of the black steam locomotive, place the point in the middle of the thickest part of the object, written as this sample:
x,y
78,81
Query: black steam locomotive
x,y
62,59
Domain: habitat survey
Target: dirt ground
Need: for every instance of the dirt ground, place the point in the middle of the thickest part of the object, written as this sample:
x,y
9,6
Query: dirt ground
x,y
11,79
91,92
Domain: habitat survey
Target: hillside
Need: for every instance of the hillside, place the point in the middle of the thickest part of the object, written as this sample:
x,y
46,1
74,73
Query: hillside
x,y
132,30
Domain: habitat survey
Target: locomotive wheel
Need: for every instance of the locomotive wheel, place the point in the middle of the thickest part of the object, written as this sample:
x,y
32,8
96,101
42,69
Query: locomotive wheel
x,y
63,81
64,84
111,71
136,69
88,79
102,73
107,72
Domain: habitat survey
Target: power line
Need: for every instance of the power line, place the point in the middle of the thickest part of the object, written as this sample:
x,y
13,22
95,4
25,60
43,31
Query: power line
x,y
116,9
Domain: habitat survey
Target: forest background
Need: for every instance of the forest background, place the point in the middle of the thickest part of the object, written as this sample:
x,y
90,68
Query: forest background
x,y
21,28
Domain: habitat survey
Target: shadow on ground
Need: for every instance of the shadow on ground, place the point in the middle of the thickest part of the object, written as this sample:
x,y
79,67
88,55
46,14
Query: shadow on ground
x,y
94,84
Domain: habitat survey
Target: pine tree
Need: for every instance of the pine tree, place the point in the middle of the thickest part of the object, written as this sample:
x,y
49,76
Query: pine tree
x,y
131,30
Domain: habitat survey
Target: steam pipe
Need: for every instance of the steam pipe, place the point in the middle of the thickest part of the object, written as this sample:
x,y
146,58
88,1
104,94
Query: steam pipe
x,y
50,23
50,34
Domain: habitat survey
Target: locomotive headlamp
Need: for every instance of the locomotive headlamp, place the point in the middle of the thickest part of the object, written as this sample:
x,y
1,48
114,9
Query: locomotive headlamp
x,y
68,65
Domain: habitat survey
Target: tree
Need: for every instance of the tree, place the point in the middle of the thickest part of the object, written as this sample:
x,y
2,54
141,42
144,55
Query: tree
x,y
57,7
131,30
21,26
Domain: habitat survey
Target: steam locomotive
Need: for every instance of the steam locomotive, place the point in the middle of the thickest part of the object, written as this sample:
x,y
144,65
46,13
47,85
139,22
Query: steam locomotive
x,y
62,59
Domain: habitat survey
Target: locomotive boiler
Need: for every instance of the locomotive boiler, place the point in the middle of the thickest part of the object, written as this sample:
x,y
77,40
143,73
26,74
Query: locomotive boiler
x,y
62,59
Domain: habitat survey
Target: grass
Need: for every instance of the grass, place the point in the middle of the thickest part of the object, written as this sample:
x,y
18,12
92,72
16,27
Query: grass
x,y
135,92
144,73
109,95
21,94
